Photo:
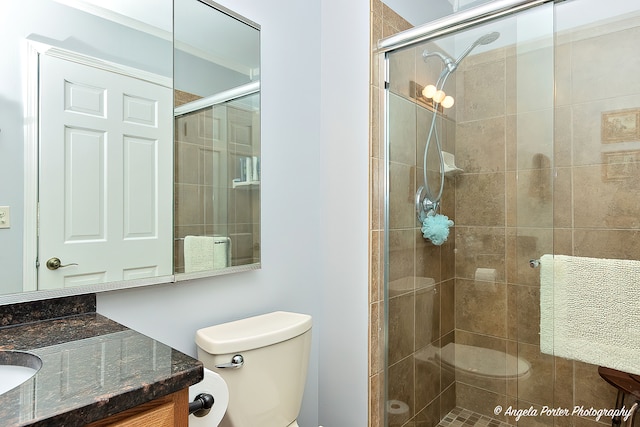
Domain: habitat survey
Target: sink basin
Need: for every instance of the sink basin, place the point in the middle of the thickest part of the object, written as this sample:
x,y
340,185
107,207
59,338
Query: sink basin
x,y
16,367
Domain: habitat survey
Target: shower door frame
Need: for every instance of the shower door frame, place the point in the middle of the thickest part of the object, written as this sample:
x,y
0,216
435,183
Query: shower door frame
x,y
456,22
441,27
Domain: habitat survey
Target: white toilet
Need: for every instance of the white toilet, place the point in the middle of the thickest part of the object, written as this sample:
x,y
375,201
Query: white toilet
x,y
263,360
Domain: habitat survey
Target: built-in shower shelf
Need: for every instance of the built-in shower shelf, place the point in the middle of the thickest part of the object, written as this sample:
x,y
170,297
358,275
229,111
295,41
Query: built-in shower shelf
x,y
246,184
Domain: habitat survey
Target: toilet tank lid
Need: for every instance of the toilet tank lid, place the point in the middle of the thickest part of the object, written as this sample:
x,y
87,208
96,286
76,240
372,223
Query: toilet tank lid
x,y
252,332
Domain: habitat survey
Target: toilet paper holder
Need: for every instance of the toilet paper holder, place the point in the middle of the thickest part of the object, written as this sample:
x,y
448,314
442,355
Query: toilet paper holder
x,y
201,405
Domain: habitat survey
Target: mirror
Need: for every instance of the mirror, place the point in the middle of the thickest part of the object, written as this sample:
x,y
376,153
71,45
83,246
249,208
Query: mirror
x,y
136,137
217,139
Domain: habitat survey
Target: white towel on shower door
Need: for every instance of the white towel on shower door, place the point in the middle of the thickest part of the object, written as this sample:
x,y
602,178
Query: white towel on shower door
x,y
589,310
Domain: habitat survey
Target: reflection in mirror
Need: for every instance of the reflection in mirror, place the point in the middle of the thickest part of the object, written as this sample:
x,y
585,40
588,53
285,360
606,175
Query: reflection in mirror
x,y
217,140
103,196
78,77
69,53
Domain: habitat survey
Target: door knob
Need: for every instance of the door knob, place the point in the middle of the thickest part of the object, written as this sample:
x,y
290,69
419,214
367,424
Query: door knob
x,y
55,263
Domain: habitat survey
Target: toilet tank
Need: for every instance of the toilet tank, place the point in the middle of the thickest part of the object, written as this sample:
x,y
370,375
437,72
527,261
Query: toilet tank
x,y
267,389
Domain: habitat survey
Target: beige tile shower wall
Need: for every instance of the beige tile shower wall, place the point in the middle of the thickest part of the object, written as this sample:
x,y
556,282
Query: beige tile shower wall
x,y
540,180
384,22
601,177
194,149
243,209
484,130
421,303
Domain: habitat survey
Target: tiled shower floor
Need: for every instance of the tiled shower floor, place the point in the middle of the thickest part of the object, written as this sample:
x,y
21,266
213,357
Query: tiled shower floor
x,y
459,417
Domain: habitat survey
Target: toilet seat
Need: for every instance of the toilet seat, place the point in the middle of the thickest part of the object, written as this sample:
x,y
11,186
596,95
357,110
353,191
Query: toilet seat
x,y
480,361
484,362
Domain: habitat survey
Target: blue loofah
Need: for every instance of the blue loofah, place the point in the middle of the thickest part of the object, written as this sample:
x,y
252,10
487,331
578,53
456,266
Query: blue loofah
x,y
436,228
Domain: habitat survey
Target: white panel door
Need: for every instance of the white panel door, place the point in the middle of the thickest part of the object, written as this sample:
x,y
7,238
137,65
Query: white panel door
x,y
105,187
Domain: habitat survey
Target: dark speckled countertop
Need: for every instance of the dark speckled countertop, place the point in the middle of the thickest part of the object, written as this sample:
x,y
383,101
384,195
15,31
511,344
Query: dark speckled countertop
x,y
92,367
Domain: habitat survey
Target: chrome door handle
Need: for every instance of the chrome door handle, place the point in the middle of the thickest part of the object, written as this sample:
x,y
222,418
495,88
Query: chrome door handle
x,y
55,263
236,362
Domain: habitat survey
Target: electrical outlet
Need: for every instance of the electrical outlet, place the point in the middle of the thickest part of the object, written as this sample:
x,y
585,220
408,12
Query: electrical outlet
x,y
5,217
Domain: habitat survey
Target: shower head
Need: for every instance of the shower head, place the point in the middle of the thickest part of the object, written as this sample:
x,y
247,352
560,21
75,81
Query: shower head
x,y
488,38
483,40
450,63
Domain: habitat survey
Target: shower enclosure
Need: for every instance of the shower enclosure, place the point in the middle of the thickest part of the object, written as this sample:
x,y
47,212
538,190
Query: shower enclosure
x,y
535,151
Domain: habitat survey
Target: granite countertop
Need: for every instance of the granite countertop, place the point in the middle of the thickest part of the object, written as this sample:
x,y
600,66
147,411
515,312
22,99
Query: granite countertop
x,y
92,368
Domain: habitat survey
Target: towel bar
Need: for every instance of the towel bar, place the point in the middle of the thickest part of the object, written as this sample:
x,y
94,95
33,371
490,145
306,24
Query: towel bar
x,y
534,263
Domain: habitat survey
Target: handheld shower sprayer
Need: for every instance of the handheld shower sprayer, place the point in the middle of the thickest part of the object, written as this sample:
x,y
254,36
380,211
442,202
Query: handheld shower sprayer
x,y
450,64
435,227
481,41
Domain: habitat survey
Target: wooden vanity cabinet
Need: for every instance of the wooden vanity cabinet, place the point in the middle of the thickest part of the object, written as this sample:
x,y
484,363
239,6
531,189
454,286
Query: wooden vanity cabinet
x,y
167,411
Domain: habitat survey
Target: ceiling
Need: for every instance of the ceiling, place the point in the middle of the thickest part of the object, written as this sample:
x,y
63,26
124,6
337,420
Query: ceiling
x,y
216,37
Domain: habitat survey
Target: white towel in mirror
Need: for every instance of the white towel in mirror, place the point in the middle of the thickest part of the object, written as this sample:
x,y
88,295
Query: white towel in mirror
x,y
202,253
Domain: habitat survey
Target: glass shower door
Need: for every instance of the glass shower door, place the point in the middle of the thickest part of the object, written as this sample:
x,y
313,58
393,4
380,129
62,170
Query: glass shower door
x,y
462,314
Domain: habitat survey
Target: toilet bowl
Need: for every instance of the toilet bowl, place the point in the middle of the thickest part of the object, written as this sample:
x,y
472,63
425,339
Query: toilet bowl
x,y
263,360
214,385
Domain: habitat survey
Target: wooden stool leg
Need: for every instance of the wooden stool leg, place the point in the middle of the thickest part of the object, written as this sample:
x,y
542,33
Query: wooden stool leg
x,y
632,413
615,421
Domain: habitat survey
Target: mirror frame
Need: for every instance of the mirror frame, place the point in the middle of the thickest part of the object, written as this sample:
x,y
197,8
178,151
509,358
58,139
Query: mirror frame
x,y
33,51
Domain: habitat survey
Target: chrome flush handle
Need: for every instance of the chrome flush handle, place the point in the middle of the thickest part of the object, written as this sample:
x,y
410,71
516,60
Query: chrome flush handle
x,y
236,362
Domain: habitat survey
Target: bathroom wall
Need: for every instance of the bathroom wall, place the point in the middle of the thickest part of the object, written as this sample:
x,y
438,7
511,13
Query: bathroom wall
x,y
417,13
314,208
345,33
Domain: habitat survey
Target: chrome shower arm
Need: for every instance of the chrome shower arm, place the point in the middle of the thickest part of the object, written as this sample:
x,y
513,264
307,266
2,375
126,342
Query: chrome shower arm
x,y
448,62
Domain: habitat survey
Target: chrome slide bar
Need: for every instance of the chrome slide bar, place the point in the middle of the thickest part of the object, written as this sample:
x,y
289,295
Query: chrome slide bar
x,y
456,22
